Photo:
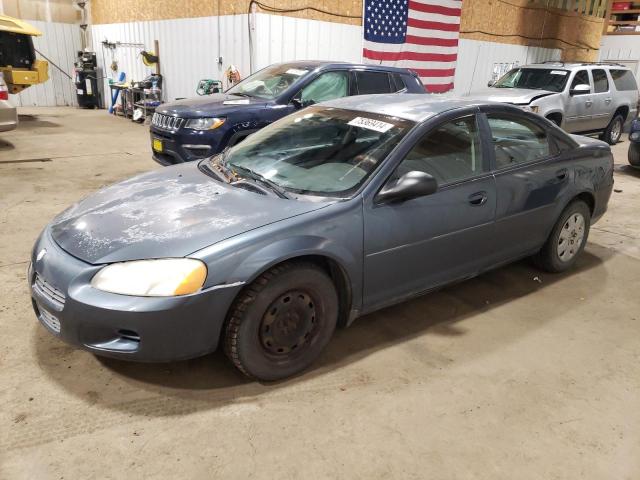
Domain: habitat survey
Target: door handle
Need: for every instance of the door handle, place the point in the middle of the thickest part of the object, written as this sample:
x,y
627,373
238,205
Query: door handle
x,y
607,101
562,174
477,199
588,103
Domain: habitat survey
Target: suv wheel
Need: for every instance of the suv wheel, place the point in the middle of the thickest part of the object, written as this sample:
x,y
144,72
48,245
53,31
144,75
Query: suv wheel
x,y
613,132
280,323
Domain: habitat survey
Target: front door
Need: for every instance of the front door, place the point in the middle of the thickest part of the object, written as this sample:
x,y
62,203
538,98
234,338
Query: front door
x,y
416,245
579,105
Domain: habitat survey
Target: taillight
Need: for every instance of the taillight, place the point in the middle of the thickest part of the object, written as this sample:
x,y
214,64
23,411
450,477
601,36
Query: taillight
x,y
4,94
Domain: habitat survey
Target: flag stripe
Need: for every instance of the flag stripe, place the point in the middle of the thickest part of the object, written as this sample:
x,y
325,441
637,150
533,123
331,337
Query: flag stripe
x,y
399,47
445,27
431,8
434,17
442,42
407,55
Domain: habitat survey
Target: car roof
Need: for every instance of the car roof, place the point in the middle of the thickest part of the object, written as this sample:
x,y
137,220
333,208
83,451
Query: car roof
x,y
574,65
327,64
410,106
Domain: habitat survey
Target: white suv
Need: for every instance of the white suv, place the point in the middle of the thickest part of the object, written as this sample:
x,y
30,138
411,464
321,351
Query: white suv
x,y
579,97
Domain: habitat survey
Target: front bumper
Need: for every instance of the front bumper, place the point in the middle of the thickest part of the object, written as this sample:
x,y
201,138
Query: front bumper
x,y
184,145
147,329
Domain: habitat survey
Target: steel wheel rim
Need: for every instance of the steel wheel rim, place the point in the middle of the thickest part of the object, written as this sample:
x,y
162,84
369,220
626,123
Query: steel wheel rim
x,y
616,130
289,324
571,237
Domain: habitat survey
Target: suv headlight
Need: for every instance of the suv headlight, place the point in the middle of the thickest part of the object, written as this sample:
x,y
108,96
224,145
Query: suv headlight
x,y
205,123
529,108
164,277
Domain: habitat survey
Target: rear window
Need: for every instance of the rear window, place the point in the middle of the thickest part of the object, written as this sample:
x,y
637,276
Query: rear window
x,y
373,82
623,80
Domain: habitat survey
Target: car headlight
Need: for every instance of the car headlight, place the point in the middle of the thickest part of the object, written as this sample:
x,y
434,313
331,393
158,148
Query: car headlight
x,y
634,136
206,123
164,277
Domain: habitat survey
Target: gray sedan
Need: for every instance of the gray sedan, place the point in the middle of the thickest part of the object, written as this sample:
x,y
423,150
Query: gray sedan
x,y
327,214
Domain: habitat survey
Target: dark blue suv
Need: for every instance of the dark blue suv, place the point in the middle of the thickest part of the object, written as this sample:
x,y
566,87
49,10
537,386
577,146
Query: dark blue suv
x,y
195,128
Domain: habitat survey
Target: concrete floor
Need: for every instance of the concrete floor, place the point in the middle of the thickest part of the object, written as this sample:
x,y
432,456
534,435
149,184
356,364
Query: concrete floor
x,y
516,374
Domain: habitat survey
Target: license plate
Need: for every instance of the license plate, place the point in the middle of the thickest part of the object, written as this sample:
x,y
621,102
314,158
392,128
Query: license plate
x,y
157,145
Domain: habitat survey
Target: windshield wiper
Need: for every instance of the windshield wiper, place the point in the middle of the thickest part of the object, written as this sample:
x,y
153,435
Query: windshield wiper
x,y
241,94
246,172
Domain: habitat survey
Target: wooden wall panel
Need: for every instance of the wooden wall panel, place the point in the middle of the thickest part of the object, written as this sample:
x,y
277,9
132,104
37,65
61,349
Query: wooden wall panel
x,y
522,22
120,11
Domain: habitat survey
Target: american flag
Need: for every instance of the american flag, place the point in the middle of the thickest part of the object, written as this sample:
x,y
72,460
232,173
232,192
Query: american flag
x,y
421,35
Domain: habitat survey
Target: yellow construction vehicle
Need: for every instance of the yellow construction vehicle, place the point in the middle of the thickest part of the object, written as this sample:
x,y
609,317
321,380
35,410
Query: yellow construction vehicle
x,y
18,62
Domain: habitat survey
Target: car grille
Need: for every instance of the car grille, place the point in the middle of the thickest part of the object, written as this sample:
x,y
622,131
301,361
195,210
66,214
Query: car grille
x,y
49,291
168,122
50,320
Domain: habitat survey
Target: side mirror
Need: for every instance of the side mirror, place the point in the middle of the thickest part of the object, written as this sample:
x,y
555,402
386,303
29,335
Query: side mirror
x,y
298,103
581,89
411,185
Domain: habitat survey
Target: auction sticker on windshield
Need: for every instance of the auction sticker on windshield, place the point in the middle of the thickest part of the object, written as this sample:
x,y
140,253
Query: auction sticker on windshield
x,y
296,71
371,124
558,72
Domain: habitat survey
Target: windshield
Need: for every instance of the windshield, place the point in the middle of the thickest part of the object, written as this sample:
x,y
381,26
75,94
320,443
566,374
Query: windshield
x,y
319,151
269,82
535,79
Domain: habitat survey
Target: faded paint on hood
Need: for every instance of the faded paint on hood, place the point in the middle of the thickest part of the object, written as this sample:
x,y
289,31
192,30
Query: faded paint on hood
x,y
518,96
170,212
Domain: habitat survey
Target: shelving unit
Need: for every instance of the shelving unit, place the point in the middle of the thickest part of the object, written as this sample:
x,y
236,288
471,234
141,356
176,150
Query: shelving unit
x,y
617,22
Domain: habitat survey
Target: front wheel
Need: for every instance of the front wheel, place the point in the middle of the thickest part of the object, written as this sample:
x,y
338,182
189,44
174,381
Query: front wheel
x,y
613,132
282,321
567,239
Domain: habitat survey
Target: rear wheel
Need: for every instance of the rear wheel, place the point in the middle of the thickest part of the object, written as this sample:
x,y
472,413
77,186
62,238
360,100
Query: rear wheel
x,y
613,132
282,321
634,154
567,239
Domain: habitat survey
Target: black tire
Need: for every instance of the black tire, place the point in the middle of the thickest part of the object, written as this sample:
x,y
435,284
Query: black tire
x,y
634,154
613,132
548,258
282,321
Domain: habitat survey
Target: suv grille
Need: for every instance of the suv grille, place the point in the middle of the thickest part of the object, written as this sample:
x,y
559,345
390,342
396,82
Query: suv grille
x,y
167,122
49,291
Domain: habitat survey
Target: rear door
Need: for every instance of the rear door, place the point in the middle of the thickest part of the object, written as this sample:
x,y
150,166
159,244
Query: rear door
x,y
530,180
579,106
602,106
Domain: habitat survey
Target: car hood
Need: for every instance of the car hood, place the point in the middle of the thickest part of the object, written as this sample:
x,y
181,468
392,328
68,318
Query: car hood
x,y
170,212
216,104
519,96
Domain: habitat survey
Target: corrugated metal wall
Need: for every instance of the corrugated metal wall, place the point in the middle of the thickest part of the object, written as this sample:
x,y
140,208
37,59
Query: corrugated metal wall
x,y
60,42
624,49
188,49
279,38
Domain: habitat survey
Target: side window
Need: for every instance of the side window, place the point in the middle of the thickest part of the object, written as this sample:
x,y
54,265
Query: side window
x,y
600,82
623,80
373,82
327,86
450,153
397,82
581,78
517,140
